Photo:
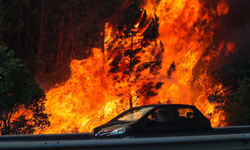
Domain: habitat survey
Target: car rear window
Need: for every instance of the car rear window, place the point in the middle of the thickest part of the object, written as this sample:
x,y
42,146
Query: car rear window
x,y
185,113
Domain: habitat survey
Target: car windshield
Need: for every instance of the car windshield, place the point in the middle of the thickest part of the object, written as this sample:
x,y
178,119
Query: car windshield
x,y
134,115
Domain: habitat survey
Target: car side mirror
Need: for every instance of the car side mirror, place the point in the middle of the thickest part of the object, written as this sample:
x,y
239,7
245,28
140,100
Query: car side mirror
x,y
154,120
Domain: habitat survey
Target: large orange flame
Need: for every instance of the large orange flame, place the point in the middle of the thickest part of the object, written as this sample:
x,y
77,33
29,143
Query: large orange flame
x,y
91,97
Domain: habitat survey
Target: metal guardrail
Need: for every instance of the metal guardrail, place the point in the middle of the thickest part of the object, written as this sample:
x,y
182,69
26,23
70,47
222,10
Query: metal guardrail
x,y
43,137
233,128
222,138
204,142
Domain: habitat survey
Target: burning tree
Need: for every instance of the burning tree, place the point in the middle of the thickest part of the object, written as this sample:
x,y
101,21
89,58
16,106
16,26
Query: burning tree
x,y
137,61
21,99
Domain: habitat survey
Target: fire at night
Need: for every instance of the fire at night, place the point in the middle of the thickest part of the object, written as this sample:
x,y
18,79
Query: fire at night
x,y
144,52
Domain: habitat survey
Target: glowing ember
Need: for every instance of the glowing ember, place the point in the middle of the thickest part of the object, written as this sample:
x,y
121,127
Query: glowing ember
x,y
91,97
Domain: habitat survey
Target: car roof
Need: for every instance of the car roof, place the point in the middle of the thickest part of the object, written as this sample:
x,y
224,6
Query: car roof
x,y
159,105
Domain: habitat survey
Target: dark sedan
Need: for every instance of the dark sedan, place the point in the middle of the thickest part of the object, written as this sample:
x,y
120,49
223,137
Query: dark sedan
x,y
158,118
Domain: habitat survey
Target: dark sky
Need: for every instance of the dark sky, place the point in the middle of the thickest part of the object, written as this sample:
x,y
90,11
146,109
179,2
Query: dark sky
x,y
238,25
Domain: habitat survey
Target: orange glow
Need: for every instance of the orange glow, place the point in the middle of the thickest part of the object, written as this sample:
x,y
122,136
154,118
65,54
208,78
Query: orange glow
x,y
231,47
222,8
91,97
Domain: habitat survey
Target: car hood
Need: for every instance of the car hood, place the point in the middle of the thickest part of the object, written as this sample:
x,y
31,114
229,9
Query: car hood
x,y
110,126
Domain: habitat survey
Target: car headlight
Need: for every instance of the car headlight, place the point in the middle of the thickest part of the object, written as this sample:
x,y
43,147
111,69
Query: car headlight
x,y
118,131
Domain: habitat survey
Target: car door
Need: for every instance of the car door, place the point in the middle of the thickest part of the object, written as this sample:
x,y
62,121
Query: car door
x,y
160,120
184,119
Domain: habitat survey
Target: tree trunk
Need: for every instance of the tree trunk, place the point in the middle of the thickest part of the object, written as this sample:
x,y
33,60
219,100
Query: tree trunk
x,y
40,45
103,51
19,34
103,43
130,102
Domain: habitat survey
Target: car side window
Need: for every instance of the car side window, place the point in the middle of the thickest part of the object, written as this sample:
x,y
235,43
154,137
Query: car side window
x,y
134,115
185,113
153,114
162,114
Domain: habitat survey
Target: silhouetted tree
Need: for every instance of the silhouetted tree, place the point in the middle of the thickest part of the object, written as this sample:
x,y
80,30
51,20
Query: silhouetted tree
x,y
21,99
234,96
